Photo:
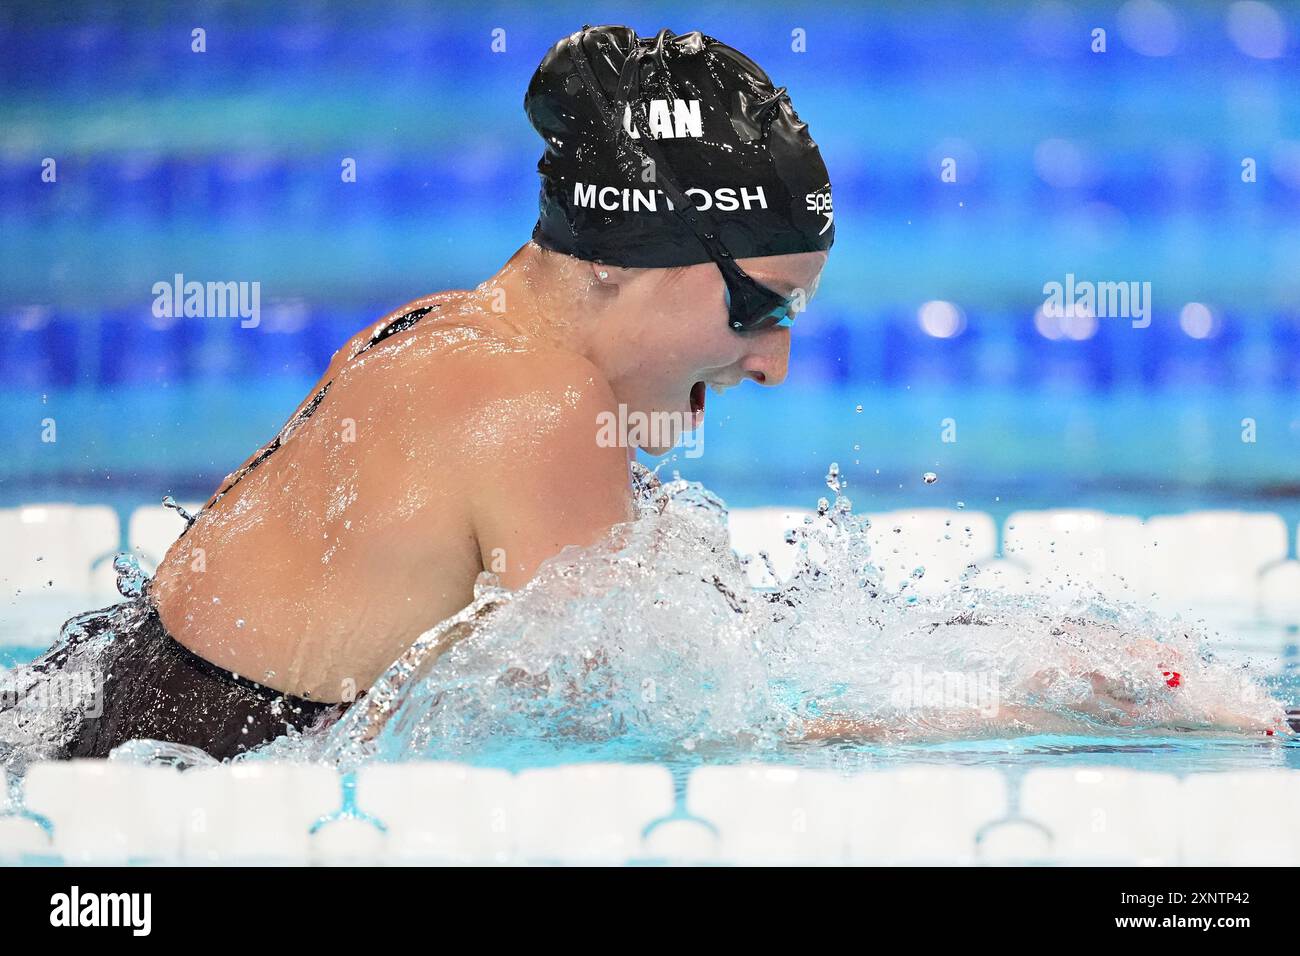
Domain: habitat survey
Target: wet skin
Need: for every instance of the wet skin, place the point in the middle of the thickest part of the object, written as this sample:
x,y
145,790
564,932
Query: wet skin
x,y
466,442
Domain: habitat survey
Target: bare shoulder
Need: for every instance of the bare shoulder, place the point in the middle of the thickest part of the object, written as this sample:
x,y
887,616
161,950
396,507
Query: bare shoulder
x,y
540,475
510,392
515,427
360,340
450,300
492,400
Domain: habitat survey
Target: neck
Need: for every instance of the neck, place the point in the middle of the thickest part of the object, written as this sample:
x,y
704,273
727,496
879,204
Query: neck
x,y
547,296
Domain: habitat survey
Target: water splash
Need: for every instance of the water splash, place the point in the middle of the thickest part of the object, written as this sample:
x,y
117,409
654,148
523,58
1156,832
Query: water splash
x,y
653,645
131,579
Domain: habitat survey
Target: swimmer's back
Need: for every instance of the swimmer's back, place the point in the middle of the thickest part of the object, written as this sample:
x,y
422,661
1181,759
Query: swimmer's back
x,y
366,525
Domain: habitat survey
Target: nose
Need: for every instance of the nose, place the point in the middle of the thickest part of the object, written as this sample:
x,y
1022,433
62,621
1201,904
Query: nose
x,y
768,358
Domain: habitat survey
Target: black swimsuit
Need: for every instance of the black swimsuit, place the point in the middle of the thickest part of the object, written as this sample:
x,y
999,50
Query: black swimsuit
x,y
148,685
154,687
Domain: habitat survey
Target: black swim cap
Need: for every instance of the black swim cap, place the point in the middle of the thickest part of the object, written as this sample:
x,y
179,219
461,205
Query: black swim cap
x,y
631,124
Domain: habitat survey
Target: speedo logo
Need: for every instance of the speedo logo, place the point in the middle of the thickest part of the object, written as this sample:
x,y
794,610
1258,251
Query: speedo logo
x,y
668,119
819,201
613,198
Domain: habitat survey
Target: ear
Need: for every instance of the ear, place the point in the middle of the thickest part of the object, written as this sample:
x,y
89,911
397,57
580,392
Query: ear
x,y
611,276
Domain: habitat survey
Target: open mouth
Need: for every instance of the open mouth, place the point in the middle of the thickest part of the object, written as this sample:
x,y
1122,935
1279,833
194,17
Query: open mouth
x,y
698,391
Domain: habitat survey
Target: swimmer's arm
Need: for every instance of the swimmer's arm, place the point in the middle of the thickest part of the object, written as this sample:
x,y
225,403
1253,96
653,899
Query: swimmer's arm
x,y
545,482
932,725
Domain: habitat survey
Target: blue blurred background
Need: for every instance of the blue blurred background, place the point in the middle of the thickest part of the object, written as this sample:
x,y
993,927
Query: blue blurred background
x,y
225,165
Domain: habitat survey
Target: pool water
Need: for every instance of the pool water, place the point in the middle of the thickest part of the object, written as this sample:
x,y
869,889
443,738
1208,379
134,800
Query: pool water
x,y
660,685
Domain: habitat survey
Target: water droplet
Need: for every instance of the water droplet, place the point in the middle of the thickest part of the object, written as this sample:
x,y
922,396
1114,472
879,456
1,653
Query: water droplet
x,y
170,502
833,477
130,579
